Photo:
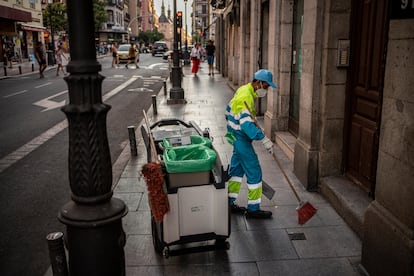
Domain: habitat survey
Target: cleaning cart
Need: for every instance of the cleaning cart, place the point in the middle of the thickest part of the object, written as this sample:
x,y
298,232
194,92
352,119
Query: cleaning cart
x,y
198,218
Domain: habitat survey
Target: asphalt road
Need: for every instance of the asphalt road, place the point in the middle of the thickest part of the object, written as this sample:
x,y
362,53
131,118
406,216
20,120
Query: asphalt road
x,y
34,186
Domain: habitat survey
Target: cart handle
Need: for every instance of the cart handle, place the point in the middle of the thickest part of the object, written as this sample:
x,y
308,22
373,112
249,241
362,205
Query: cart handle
x,y
169,122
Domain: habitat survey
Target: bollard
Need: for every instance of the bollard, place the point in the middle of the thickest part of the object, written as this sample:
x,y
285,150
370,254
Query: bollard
x,y
154,104
20,70
5,71
32,67
57,254
165,87
132,141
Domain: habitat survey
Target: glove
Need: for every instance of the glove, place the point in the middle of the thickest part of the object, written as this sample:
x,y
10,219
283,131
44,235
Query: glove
x,y
268,144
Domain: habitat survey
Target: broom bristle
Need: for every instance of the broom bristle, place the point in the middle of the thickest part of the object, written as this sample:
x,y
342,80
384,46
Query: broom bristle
x,y
305,212
157,197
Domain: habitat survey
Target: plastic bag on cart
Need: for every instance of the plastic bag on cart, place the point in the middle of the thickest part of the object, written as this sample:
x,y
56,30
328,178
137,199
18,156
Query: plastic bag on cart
x,y
187,159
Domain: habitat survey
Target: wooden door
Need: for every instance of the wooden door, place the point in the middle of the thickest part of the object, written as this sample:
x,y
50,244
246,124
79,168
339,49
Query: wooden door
x,y
364,87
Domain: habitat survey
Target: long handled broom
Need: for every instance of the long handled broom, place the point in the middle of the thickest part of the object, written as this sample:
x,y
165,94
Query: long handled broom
x,y
305,210
154,179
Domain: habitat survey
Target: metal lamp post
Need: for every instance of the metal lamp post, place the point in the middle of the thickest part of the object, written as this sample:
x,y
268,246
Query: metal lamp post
x,y
52,48
176,92
94,236
186,31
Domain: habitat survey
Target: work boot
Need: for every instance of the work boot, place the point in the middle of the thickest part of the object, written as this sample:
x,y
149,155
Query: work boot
x,y
236,209
261,214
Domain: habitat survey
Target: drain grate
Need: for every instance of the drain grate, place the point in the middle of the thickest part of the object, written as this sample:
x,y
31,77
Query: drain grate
x,y
297,236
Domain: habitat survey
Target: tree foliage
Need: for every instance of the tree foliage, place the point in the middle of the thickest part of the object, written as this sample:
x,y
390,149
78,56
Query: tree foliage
x,y
54,16
149,37
100,13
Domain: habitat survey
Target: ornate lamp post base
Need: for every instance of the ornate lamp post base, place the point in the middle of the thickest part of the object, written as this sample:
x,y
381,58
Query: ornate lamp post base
x,y
95,238
176,92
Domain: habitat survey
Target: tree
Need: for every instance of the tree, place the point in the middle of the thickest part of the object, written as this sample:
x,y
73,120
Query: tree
x,y
101,16
54,16
149,37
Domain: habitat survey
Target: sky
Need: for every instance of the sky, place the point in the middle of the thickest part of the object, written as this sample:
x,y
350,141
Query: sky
x,y
180,7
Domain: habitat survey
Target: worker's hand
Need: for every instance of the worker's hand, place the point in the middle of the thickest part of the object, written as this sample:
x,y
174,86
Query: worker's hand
x,y
268,144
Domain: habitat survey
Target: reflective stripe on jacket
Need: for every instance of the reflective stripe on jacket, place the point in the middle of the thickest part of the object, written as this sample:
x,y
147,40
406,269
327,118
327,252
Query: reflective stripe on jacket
x,y
239,120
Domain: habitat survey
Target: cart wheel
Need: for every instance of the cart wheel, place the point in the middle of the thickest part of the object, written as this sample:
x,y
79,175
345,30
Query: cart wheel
x,y
222,243
166,252
158,244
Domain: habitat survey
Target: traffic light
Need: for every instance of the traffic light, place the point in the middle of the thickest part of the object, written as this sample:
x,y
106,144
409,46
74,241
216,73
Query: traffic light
x,y
179,19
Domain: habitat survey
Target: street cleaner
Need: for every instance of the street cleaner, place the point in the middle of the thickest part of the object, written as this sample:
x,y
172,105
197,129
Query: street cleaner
x,y
241,131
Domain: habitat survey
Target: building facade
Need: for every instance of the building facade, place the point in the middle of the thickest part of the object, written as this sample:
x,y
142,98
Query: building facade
x,y
21,27
343,110
166,26
201,20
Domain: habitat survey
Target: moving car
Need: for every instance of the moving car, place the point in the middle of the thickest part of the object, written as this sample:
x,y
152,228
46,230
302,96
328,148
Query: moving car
x,y
159,48
123,51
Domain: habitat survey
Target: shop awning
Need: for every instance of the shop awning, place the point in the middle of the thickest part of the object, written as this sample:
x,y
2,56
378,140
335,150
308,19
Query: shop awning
x,y
32,28
15,14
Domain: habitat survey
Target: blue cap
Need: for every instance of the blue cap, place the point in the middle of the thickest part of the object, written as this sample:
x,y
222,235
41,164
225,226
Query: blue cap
x,y
266,76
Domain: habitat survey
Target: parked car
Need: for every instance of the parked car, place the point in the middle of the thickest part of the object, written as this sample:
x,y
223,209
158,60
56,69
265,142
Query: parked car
x,y
123,51
159,48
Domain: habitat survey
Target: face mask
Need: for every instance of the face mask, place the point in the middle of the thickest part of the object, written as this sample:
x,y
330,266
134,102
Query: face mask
x,y
261,92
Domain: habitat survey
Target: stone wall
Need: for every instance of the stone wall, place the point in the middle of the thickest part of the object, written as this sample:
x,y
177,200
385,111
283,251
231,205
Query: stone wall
x,y
388,244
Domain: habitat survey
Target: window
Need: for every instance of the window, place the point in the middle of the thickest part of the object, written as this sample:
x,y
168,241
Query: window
x,y
110,16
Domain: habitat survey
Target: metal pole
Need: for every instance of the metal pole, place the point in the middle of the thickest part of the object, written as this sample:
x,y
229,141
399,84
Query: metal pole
x,y
186,31
20,69
132,140
154,104
176,92
93,218
51,33
57,254
165,88
5,71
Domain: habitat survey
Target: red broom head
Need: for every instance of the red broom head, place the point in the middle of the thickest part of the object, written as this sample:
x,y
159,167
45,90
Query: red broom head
x,y
305,212
157,197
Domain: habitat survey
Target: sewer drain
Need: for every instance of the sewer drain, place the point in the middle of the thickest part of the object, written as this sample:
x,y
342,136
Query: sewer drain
x,y
297,236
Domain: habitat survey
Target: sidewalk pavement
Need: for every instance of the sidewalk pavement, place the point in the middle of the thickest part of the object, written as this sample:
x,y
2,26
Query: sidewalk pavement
x,y
325,245
19,69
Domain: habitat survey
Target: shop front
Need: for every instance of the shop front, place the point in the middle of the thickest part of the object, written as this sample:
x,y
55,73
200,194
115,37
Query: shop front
x,y
29,35
9,36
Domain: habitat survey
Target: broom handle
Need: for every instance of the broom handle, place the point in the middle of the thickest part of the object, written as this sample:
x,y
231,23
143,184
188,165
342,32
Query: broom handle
x,y
152,143
275,158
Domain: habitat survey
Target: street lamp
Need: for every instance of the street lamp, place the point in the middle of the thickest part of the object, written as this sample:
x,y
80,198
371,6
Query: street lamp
x,y
94,235
139,28
52,47
176,92
186,31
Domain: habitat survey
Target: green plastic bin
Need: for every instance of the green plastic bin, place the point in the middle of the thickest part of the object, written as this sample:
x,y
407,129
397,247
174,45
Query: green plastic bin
x,y
189,165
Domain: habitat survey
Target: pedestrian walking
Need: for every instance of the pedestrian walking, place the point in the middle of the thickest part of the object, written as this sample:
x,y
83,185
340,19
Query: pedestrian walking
x,y
132,55
40,57
241,131
211,50
59,54
9,54
195,58
115,57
